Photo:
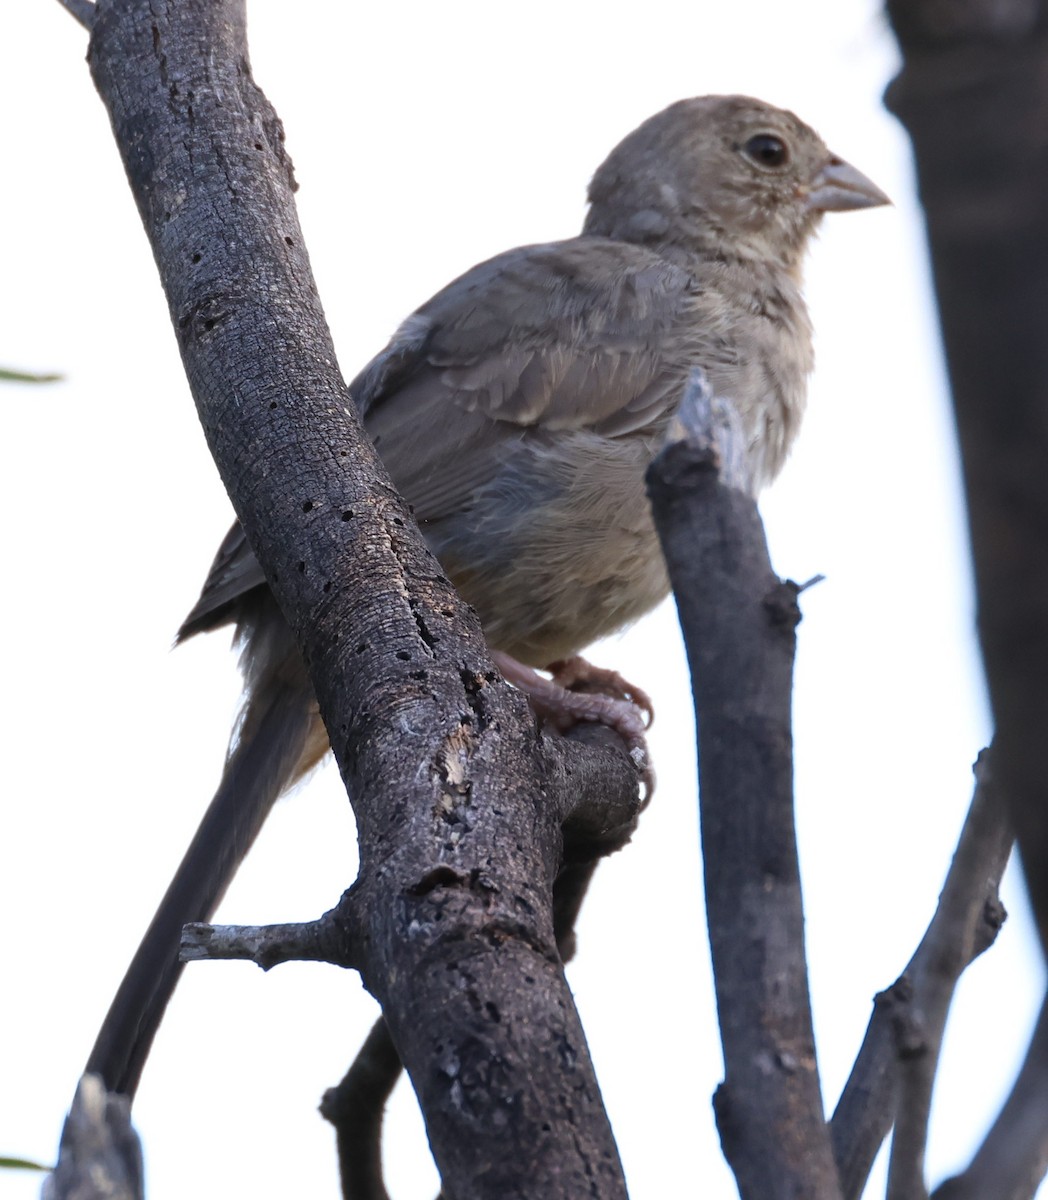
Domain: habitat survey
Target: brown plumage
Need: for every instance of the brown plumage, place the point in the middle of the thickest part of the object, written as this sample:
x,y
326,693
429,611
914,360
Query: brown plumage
x,y
517,411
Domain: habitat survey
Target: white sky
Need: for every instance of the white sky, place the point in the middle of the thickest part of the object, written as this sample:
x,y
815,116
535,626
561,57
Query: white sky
x,y
427,137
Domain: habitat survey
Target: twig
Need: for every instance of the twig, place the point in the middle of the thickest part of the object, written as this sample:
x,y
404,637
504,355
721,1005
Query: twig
x,y
952,941
905,1030
356,1108
1013,1159
323,940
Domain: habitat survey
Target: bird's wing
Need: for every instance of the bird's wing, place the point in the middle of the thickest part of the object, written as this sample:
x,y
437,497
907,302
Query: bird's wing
x,y
559,337
544,339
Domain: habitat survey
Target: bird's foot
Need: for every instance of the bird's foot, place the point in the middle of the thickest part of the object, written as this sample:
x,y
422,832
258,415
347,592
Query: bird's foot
x,y
578,675
572,696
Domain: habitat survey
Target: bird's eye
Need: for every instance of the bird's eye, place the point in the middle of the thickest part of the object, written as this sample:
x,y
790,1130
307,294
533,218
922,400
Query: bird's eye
x,y
767,150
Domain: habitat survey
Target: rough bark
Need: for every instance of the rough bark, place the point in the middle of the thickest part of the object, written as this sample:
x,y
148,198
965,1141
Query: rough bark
x,y
459,802
100,1157
739,621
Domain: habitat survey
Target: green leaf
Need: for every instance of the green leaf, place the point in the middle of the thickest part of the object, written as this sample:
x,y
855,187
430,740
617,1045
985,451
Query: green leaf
x,y
22,1164
7,375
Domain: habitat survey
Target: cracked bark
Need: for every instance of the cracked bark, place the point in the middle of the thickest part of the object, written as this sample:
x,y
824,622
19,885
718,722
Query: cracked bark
x,y
458,799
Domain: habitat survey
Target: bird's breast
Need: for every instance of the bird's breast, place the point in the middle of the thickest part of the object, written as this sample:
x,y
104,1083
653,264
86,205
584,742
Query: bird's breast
x,y
750,333
560,549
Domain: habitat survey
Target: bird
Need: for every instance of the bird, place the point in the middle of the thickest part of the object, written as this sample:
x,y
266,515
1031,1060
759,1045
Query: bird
x,y
517,411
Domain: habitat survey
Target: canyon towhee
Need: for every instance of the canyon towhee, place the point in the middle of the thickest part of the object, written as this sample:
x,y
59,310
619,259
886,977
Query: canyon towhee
x,y
517,411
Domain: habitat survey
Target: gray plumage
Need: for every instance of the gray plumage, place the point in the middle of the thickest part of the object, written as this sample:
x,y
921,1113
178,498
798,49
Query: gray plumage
x,y
517,411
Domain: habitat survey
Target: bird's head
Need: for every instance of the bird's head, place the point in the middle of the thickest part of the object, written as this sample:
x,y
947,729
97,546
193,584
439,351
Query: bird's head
x,y
727,176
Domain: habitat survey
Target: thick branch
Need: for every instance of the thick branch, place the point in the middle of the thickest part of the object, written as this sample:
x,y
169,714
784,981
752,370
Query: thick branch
x,y
972,93
738,623
81,10
459,827
356,1107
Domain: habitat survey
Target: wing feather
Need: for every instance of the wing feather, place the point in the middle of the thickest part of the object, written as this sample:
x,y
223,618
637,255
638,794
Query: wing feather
x,y
563,337
558,337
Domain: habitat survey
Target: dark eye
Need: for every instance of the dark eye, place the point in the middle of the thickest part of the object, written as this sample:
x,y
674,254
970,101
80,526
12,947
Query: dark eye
x,y
767,150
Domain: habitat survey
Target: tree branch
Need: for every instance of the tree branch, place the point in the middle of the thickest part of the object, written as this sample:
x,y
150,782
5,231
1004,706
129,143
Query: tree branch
x,y
323,940
356,1108
457,798
738,622
953,940
100,1157
81,10
972,94
1013,1159
894,1072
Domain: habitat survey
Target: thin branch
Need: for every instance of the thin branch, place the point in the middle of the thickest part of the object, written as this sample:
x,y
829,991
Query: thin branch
x,y
1013,1159
950,944
323,940
82,10
906,1027
738,622
356,1108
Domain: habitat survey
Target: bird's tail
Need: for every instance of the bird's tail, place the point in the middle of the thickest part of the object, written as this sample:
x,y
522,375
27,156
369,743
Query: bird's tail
x,y
280,736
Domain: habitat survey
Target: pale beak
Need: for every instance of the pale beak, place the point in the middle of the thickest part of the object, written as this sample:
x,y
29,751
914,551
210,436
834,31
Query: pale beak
x,y
838,187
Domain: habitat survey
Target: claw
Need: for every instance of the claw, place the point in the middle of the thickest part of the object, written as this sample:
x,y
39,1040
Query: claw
x,y
577,674
580,691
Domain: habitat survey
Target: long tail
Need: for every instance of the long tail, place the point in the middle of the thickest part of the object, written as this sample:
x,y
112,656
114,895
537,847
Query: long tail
x,y
279,738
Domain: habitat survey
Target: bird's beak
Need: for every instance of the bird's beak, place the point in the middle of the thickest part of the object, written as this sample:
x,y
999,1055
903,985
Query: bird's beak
x,y
838,187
